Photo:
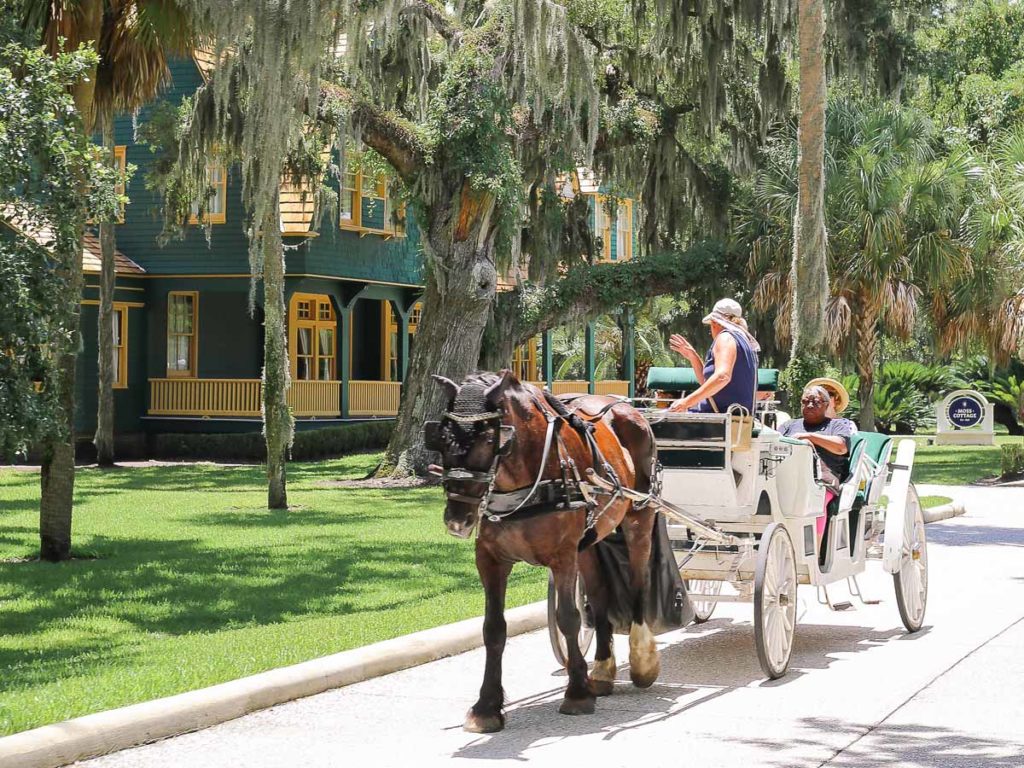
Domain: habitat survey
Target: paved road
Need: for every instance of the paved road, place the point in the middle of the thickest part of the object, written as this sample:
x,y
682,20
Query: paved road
x,y
860,691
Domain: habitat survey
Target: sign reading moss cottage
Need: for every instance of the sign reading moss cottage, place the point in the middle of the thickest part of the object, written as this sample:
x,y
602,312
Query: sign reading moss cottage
x,y
964,417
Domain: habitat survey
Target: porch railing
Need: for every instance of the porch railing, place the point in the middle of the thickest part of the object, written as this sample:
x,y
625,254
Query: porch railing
x,y
373,398
238,397
320,399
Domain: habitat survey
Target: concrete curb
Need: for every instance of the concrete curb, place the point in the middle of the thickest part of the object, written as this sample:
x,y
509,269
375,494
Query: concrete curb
x,y
104,732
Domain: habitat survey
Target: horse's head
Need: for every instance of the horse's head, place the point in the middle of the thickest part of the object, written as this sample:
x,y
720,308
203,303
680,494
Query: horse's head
x,y
471,437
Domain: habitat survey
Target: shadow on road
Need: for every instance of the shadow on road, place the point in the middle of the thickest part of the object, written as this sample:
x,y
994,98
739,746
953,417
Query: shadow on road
x,y
698,665
969,535
921,746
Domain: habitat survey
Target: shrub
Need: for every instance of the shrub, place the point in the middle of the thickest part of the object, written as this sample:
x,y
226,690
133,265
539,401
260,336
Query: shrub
x,y
904,392
250,446
1012,459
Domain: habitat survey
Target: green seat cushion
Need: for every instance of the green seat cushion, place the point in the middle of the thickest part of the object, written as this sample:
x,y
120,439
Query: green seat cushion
x,y
872,444
685,379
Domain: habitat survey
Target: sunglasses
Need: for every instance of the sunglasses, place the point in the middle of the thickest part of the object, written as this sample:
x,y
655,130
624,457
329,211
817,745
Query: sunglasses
x,y
812,400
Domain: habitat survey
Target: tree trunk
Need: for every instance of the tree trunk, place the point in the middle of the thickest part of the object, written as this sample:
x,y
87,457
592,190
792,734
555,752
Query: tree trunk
x,y
57,476
460,288
104,438
501,336
866,324
810,268
278,425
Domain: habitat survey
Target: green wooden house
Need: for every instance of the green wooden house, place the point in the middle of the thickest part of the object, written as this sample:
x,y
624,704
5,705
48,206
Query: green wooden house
x,y
189,354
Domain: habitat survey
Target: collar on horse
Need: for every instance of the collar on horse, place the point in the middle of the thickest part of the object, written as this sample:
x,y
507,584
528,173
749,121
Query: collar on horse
x,y
544,495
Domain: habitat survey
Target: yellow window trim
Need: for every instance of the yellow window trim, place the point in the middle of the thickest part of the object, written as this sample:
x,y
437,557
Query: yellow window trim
x,y
315,324
605,232
122,167
355,223
121,380
221,188
526,355
193,345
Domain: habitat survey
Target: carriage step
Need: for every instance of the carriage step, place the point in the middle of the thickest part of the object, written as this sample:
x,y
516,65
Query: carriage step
x,y
843,606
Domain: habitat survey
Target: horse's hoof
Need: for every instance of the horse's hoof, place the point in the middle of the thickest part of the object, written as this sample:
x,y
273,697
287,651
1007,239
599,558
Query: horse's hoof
x,y
577,706
645,679
483,723
602,687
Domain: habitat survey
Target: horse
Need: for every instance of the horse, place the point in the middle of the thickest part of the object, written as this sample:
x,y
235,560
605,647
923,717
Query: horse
x,y
513,462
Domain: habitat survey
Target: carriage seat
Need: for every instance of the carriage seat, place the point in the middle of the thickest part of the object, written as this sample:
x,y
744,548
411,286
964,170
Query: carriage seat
x,y
870,450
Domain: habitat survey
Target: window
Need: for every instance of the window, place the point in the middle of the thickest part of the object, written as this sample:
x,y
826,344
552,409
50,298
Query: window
x,y
391,344
216,205
366,206
616,232
312,335
120,321
623,242
182,308
524,361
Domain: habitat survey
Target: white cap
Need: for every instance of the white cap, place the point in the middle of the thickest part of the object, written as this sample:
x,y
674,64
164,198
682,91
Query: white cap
x,y
727,309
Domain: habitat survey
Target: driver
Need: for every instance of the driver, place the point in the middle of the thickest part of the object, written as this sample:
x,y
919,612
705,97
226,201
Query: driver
x,y
728,375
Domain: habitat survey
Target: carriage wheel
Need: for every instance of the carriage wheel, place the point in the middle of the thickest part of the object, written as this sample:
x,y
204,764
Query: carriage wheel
x,y
702,593
775,600
586,635
911,581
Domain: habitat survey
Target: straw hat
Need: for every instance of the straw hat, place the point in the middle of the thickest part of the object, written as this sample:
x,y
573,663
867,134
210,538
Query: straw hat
x,y
838,393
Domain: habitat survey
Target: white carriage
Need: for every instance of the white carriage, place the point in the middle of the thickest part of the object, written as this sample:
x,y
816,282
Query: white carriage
x,y
743,504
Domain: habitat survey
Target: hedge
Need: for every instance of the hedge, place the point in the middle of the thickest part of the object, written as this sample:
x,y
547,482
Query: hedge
x,y
1012,459
308,445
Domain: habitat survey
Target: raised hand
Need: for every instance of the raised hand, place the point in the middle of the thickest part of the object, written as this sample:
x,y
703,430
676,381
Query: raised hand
x,y
680,345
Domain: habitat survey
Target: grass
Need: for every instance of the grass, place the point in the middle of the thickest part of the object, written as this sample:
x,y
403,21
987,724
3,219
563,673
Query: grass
x,y
927,502
957,464
194,582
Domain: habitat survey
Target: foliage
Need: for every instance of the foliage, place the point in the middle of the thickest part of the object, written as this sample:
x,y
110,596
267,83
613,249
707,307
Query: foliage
x,y
45,162
798,372
972,67
186,580
1012,460
309,445
904,395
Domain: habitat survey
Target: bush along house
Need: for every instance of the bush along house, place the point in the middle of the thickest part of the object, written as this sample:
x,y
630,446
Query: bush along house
x,y
188,352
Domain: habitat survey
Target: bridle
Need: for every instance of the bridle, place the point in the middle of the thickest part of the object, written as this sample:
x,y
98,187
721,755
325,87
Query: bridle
x,y
501,444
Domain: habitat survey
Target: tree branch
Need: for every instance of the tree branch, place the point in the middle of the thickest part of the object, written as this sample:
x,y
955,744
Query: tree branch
x,y
443,24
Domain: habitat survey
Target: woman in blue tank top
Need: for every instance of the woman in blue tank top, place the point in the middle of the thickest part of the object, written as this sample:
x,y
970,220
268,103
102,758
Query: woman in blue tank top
x,y
728,375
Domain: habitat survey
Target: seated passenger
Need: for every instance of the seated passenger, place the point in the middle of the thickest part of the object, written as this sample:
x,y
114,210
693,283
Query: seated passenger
x,y
728,374
830,436
837,393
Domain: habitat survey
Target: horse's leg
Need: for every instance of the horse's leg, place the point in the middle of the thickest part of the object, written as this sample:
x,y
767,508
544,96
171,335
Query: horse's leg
x,y
486,716
644,664
579,699
602,676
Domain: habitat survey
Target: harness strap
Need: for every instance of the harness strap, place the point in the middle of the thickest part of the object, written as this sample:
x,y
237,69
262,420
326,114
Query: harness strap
x,y
549,434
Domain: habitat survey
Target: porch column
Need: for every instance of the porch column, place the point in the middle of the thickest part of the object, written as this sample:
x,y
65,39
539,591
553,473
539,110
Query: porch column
x,y
403,342
589,360
628,350
344,352
547,367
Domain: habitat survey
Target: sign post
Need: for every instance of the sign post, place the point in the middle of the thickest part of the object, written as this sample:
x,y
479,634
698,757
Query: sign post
x,y
964,417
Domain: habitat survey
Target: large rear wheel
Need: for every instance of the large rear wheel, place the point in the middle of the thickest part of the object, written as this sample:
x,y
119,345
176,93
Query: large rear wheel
x,y
586,635
911,581
775,600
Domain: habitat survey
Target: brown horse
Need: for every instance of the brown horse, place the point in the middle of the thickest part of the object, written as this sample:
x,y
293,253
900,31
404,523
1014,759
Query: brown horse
x,y
512,461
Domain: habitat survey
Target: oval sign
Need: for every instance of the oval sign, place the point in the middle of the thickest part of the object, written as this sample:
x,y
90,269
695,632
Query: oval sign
x,y
965,411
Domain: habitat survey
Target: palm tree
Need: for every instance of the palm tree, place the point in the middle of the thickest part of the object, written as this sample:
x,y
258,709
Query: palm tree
x,y
894,205
132,38
810,265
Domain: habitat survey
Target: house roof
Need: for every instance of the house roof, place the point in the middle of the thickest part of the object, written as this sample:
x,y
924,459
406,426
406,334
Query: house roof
x,y
41,233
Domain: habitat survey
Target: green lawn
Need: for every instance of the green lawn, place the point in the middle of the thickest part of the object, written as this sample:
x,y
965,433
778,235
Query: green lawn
x,y
957,464
195,583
